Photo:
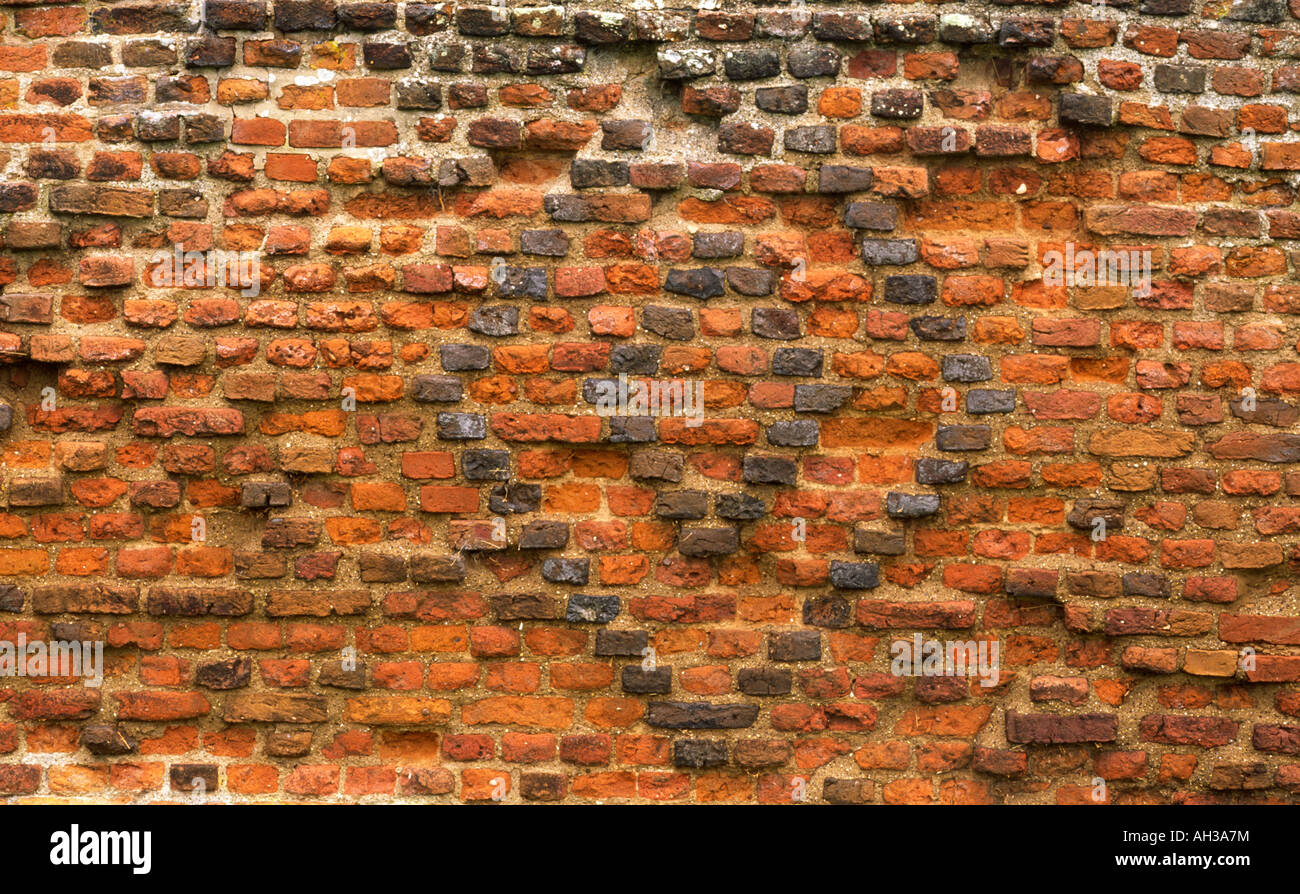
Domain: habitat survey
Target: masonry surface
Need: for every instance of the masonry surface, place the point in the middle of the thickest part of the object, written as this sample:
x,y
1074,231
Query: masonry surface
x,y
348,521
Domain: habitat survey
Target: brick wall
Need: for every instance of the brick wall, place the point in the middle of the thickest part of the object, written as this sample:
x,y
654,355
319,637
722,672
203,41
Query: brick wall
x,y
310,310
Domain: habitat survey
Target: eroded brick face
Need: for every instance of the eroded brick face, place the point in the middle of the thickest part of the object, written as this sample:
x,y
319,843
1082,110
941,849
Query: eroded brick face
x,y
991,317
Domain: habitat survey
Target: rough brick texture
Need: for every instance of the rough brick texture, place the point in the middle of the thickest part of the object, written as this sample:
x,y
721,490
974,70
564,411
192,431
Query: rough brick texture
x,y
351,526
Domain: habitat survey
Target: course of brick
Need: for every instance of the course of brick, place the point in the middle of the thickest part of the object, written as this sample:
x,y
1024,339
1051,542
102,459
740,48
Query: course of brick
x,y
352,529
